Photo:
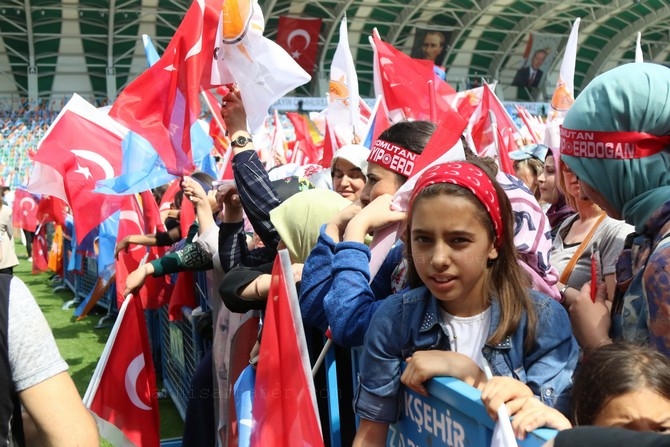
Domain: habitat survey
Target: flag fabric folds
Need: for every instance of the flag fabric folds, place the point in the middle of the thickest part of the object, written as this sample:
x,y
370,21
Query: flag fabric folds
x,y
284,408
122,393
263,70
82,146
343,115
162,104
404,83
300,38
24,210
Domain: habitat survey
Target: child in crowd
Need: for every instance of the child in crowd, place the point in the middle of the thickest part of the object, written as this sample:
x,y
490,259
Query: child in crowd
x,y
336,289
469,304
618,385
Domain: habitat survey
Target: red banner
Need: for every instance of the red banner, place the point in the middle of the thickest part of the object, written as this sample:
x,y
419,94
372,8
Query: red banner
x,y
300,39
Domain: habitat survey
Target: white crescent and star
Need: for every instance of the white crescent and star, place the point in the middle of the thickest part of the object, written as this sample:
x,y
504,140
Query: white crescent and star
x,y
295,33
96,158
29,200
133,371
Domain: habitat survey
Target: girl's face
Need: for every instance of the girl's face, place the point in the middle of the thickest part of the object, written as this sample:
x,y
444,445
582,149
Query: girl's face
x,y
547,181
450,250
348,179
641,410
524,172
380,181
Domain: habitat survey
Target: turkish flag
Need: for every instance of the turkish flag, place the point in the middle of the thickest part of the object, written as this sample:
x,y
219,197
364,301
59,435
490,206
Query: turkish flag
x,y
300,39
24,210
303,136
284,409
155,290
83,145
481,130
404,82
163,102
40,252
51,209
183,294
122,393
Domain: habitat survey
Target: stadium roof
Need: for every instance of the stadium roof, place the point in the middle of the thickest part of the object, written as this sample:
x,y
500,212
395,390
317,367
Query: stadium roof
x,y
75,42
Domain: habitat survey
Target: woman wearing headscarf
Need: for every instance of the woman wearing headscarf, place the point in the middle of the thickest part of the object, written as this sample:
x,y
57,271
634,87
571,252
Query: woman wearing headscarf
x,y
558,210
616,139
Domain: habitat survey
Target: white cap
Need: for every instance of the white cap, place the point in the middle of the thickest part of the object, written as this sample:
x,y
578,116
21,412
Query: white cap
x,y
354,154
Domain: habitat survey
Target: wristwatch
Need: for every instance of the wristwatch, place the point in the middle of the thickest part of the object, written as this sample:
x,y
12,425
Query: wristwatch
x,y
241,141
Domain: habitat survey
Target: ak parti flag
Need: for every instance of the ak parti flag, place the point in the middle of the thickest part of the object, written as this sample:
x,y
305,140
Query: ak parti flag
x,y
263,70
163,102
300,38
24,210
122,393
82,146
284,407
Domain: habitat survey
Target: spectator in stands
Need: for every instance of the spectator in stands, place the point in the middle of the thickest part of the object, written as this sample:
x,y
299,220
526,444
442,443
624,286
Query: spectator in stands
x,y
626,108
528,165
35,377
619,385
588,233
8,259
348,170
558,209
469,304
530,76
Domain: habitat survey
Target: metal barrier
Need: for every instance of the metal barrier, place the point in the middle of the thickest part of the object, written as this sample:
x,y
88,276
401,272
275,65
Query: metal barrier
x,y
181,351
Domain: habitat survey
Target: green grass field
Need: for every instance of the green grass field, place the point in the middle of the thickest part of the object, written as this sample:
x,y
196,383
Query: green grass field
x,y
79,342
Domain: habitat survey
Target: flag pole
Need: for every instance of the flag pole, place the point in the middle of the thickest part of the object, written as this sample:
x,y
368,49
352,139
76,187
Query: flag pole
x,y
104,357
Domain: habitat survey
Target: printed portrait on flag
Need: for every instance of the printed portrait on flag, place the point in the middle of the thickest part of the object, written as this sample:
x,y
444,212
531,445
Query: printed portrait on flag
x,y
537,59
430,44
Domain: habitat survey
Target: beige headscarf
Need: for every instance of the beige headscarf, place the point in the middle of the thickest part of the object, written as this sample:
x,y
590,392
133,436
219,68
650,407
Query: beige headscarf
x,y
299,219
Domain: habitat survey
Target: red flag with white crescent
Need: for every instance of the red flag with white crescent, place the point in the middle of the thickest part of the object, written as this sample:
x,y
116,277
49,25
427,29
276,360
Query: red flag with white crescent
x,y
82,146
300,39
122,393
24,212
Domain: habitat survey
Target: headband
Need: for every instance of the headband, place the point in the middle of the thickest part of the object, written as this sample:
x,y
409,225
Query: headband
x,y
470,177
611,145
393,157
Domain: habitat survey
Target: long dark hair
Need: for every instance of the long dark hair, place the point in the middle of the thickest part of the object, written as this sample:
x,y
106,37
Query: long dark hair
x,y
614,370
506,280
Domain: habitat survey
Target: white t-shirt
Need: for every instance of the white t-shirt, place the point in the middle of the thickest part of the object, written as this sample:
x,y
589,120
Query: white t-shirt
x,y
467,335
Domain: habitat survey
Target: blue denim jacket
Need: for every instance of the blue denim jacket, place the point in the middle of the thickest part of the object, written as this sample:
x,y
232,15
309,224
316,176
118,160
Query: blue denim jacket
x,y
410,321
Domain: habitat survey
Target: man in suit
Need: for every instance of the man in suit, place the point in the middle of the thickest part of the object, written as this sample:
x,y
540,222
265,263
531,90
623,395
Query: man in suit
x,y
530,76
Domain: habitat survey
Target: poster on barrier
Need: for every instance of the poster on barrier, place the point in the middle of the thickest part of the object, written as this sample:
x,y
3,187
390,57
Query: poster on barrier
x,y
453,415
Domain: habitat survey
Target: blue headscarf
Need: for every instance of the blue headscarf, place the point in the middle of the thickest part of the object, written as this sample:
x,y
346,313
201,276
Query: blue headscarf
x,y
630,98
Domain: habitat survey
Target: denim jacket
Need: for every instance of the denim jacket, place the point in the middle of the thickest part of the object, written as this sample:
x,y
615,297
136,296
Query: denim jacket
x,y
410,321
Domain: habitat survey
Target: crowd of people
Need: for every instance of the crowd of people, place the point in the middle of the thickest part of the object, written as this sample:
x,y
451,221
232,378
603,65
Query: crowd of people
x,y
550,277
555,279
